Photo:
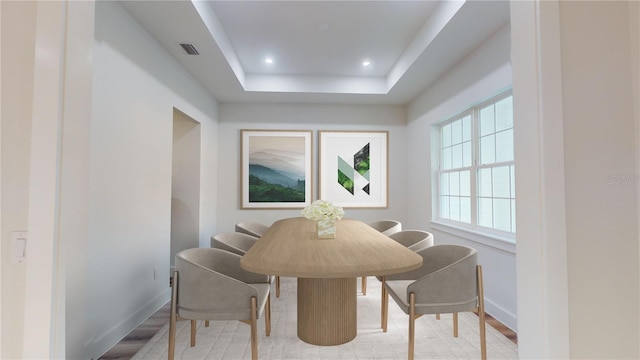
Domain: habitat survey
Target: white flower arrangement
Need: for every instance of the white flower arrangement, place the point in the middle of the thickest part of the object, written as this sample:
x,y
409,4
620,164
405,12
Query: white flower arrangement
x,y
321,210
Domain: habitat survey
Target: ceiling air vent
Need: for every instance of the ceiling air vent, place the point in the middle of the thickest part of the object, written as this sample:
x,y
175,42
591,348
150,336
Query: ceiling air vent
x,y
190,49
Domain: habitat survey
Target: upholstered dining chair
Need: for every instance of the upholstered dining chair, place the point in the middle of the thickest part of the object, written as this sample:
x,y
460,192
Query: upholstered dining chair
x,y
449,281
209,284
239,243
251,228
386,227
235,242
413,240
256,229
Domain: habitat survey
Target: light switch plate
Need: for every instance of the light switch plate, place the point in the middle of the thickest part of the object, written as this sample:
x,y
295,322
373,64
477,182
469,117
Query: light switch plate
x,y
19,246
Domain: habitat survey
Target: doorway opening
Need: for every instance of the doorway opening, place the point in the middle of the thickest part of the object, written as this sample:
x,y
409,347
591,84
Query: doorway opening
x,y
185,184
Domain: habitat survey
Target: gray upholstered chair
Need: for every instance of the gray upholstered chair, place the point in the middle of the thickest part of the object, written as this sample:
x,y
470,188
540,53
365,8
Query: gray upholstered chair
x,y
413,240
239,243
449,281
386,227
209,284
251,228
235,242
256,229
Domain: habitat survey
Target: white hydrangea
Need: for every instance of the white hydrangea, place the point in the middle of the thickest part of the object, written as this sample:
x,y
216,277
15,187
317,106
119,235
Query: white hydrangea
x,y
322,210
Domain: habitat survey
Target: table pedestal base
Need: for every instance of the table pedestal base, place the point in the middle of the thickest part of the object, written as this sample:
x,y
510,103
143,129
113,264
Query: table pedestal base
x,y
327,310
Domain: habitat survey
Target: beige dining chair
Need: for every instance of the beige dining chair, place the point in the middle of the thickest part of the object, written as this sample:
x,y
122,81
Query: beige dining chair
x,y
209,284
256,229
239,243
386,227
251,228
449,281
413,240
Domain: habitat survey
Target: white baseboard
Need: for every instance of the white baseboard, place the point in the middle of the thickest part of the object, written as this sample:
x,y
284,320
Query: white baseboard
x,y
506,318
114,335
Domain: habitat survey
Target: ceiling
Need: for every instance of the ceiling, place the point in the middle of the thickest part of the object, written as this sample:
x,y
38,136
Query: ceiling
x,y
318,48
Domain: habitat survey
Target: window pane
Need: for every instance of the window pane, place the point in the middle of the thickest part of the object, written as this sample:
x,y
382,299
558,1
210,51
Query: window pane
x,y
446,135
466,128
502,214
504,114
456,132
501,182
454,183
446,158
465,183
485,212
444,207
444,184
488,149
456,156
484,182
487,121
466,154
504,146
454,208
465,210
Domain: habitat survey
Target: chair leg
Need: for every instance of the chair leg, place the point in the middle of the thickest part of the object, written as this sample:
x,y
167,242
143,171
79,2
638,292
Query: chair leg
x,y
412,324
385,306
455,324
483,334
277,286
438,316
254,329
364,285
193,333
206,323
267,316
173,317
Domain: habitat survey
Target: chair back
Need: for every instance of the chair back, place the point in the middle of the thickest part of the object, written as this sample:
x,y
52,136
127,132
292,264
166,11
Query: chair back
x,y
251,228
387,227
213,286
450,283
413,239
235,242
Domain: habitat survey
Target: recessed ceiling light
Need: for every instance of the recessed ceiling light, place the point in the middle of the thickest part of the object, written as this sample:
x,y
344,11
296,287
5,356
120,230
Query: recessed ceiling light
x,y
268,60
366,63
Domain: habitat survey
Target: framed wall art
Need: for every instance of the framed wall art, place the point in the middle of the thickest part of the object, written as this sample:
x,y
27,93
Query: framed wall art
x,y
276,169
353,168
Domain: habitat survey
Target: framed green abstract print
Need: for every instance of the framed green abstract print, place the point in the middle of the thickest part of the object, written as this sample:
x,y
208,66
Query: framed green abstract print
x,y
353,168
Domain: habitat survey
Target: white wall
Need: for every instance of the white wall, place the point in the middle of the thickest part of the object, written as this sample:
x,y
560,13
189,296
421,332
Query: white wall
x,y
136,87
234,117
481,75
18,34
602,213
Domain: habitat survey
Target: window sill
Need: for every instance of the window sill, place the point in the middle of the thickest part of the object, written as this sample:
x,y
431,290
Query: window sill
x,y
495,241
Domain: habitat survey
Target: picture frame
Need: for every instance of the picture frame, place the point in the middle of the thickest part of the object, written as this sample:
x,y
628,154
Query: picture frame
x,y
276,169
353,168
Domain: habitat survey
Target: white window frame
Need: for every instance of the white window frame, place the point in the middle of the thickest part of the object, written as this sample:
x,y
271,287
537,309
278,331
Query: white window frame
x,y
472,230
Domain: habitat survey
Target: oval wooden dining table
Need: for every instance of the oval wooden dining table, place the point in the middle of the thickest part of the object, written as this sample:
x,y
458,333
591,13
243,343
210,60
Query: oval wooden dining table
x,y
327,270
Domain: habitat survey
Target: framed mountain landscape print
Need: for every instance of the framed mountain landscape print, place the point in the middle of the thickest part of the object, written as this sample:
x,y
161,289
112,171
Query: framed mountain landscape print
x,y
276,169
353,168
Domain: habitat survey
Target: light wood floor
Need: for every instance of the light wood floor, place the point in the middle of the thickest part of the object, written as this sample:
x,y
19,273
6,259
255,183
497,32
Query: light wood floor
x,y
137,338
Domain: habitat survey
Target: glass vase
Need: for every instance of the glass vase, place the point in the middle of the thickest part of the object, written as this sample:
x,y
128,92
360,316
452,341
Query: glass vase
x,y
326,229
